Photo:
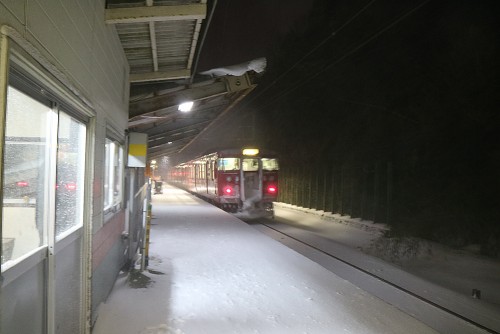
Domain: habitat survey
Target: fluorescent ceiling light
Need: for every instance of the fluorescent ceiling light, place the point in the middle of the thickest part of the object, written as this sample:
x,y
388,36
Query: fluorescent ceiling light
x,y
186,106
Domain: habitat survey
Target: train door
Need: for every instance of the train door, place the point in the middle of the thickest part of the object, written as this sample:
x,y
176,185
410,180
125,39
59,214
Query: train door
x,y
211,177
196,171
251,176
207,176
25,214
200,182
44,154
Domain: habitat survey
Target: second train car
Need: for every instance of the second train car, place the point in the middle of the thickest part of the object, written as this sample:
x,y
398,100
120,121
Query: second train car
x,y
240,181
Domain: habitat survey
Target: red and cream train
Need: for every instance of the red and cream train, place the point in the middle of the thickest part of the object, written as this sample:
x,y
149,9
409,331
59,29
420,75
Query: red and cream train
x,y
241,181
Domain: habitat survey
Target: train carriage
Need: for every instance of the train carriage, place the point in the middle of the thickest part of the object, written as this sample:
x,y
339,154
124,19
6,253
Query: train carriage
x,y
240,181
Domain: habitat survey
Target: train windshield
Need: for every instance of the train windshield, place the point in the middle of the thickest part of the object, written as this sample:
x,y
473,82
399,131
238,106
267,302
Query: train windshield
x,y
225,164
270,164
250,165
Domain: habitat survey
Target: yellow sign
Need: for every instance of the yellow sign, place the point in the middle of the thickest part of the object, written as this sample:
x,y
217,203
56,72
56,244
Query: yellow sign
x,y
137,149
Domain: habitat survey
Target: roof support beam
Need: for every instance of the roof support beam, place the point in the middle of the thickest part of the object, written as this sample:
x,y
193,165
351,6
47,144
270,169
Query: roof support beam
x,y
196,33
152,37
160,102
167,149
157,76
156,13
196,93
154,52
158,133
189,134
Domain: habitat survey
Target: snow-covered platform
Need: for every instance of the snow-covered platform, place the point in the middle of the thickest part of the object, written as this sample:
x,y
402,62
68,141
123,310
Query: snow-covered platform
x,y
212,273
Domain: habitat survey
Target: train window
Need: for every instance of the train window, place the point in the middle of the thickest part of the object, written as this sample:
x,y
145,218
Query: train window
x,y
225,164
270,164
250,165
70,174
113,174
26,172
201,172
209,170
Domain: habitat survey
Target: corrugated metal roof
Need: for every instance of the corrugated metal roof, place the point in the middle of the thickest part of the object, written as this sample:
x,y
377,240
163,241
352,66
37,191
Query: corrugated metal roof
x,y
159,39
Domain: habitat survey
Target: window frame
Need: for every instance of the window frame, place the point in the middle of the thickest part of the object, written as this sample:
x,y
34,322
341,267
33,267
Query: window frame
x,y
80,186
48,196
112,203
222,164
25,74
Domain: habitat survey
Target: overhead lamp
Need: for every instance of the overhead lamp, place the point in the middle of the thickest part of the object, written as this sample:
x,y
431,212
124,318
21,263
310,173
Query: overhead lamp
x,y
186,106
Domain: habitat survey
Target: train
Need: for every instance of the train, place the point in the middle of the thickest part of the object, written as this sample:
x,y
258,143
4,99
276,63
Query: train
x,y
240,181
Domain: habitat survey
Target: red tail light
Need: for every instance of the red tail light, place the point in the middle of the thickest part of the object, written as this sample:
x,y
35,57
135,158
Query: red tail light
x,y
70,186
272,189
228,190
22,183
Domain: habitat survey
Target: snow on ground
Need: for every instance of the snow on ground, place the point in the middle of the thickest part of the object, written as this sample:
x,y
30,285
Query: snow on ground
x,y
211,273
457,270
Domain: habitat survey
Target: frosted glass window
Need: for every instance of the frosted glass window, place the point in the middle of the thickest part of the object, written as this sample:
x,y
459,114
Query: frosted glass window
x,y
107,173
25,185
70,174
118,174
113,174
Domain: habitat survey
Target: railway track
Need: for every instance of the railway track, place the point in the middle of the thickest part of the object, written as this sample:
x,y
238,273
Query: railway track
x,y
435,306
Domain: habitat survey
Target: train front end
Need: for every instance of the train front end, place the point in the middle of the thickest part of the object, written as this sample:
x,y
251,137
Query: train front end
x,y
248,182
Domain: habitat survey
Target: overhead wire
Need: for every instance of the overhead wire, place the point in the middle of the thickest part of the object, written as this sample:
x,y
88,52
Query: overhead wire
x,y
323,42
353,50
347,54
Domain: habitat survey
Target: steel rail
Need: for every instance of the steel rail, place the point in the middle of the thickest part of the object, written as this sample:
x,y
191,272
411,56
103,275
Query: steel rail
x,y
396,286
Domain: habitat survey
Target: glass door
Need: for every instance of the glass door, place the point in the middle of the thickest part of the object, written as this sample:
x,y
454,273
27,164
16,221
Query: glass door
x,y
26,210
68,232
42,216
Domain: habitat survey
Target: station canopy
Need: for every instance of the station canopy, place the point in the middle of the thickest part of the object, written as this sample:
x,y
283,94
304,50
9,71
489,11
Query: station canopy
x,y
162,41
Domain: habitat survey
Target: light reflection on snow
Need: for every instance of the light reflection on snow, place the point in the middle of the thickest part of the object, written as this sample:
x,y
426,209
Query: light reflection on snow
x,y
223,276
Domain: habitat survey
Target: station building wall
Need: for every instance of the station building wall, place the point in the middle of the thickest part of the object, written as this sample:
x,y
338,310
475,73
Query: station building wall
x,y
70,40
